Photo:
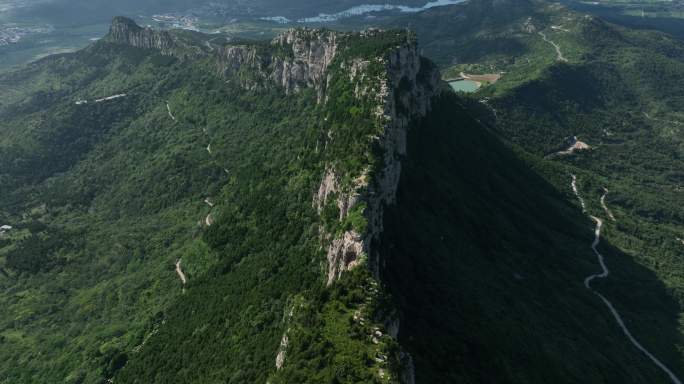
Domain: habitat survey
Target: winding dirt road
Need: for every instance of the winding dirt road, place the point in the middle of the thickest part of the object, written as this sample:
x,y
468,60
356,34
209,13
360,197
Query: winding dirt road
x,y
605,207
559,54
574,189
605,272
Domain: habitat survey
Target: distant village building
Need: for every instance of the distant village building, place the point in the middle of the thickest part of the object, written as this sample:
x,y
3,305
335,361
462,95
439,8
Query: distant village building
x,y
4,229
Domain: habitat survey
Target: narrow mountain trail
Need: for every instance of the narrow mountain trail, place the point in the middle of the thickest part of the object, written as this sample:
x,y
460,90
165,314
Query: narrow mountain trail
x,y
574,189
559,54
603,204
605,272
180,273
111,98
108,98
168,109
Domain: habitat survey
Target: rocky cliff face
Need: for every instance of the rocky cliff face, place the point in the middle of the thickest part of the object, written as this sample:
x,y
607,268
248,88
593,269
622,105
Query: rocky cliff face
x,y
126,31
296,59
312,53
402,94
299,59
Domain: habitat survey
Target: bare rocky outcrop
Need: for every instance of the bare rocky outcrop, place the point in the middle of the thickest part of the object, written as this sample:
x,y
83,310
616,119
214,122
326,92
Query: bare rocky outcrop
x,y
403,95
299,59
528,26
296,59
282,350
312,53
344,254
126,31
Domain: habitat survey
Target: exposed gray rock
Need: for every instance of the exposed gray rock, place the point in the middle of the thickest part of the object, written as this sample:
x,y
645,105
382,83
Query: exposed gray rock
x,y
344,254
126,31
312,53
282,350
298,58
403,95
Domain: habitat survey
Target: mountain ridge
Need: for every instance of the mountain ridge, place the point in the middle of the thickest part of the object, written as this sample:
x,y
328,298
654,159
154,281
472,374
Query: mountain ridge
x,y
233,124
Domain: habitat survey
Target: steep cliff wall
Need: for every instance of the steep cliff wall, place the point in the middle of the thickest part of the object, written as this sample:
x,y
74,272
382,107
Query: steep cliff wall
x,y
312,52
126,31
402,93
296,59
399,86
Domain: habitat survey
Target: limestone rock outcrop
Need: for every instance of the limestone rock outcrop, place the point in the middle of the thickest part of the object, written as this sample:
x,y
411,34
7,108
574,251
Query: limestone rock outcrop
x,y
402,93
296,59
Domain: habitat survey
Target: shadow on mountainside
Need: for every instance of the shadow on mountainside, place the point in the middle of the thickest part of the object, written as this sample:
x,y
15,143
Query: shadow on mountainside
x,y
486,261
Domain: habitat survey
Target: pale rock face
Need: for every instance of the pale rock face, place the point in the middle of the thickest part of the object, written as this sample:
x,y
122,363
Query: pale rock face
x,y
346,200
343,254
401,97
280,358
357,74
232,58
125,31
329,186
312,52
528,26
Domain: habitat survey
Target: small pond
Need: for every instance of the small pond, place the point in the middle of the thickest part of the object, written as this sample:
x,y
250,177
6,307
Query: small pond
x,y
467,86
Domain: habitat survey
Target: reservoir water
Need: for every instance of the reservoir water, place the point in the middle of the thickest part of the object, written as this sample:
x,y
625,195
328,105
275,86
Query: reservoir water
x,y
466,86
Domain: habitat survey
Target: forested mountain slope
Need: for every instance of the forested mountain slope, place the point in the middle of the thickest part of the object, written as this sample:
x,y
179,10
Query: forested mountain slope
x,y
487,260
616,91
158,184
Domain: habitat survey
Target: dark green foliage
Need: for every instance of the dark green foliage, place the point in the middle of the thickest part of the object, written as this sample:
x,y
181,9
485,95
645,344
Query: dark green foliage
x,y
33,254
486,261
127,183
327,345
